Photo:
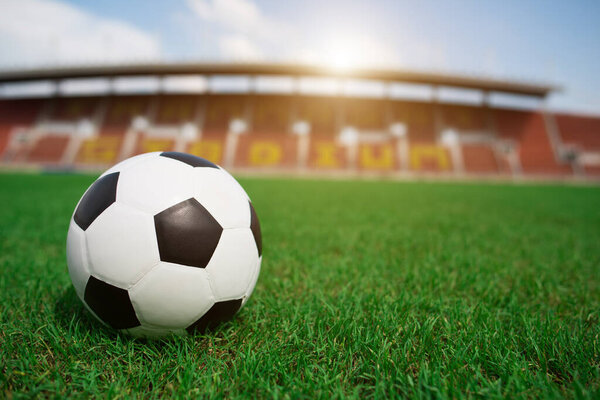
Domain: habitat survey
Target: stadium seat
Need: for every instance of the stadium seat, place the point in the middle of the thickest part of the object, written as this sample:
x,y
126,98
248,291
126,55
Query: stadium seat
x,y
267,150
271,114
326,154
48,149
366,115
479,159
320,113
73,109
211,146
122,110
527,128
429,157
174,110
381,157
269,143
221,110
102,150
592,171
581,131
17,113
464,118
418,119
145,144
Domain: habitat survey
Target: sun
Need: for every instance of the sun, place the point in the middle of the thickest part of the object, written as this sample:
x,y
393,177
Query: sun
x,y
341,54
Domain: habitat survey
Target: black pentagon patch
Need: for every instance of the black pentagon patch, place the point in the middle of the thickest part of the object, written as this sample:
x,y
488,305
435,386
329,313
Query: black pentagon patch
x,y
189,159
220,312
187,234
98,198
111,304
255,227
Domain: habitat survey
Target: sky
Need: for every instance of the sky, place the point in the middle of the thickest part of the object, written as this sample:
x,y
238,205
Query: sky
x,y
536,41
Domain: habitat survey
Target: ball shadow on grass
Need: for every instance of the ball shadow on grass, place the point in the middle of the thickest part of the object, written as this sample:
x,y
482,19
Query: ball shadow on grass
x,y
75,320
72,316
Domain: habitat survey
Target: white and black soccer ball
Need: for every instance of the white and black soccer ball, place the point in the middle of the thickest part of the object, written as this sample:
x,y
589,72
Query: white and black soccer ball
x,y
164,243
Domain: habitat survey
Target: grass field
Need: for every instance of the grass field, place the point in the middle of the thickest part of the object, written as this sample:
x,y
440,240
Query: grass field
x,y
368,289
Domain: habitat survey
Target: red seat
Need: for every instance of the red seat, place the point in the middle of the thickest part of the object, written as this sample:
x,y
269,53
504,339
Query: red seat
x,y
464,118
175,110
14,113
581,131
320,113
418,118
479,158
48,149
527,128
73,109
267,150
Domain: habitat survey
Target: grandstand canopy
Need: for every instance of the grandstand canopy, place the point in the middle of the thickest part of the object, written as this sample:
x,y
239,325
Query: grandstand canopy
x,y
261,69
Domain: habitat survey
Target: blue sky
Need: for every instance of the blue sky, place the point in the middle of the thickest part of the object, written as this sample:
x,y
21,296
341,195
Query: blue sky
x,y
548,41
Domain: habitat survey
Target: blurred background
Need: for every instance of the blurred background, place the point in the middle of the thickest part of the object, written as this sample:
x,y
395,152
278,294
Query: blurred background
x,y
379,88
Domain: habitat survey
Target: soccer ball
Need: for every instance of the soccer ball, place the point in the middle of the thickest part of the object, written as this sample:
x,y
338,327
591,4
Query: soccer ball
x,y
164,243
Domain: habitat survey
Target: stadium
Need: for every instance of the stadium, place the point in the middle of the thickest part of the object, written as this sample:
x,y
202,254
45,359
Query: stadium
x,y
251,199
294,119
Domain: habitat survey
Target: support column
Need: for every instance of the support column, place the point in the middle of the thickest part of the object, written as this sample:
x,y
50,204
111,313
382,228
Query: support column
x,y
438,119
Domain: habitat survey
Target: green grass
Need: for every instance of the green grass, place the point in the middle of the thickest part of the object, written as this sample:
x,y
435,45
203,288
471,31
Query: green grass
x,y
368,289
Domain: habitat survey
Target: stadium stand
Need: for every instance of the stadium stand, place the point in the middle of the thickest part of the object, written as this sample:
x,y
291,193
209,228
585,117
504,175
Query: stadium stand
x,y
221,110
16,114
479,159
418,118
210,146
366,115
122,110
269,141
327,155
465,118
580,131
428,157
528,130
71,109
48,149
303,131
163,126
323,114
378,156
101,150
176,110
324,118
115,139
581,135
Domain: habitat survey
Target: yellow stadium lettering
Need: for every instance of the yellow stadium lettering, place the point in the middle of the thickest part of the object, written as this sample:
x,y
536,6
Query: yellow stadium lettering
x,y
212,150
150,145
99,151
265,154
383,160
326,155
434,153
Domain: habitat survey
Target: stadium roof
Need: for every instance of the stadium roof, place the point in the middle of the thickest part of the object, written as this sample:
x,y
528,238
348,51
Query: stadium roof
x,y
262,69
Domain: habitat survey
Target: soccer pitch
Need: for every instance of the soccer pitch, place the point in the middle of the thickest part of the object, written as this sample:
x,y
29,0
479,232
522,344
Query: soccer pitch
x,y
367,289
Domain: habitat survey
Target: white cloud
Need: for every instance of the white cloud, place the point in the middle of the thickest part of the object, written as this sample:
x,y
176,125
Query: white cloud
x,y
50,32
349,49
240,48
245,32
239,16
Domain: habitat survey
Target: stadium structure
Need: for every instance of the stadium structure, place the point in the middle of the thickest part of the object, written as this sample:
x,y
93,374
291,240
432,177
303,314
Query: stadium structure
x,y
292,119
